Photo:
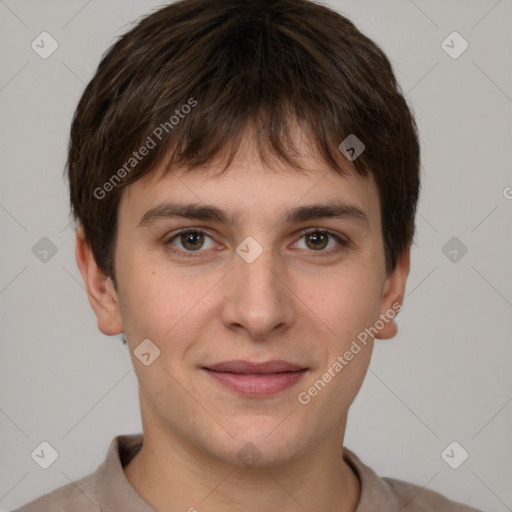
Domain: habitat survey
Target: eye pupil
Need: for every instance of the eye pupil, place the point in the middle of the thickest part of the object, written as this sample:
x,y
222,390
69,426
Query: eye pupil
x,y
318,240
192,240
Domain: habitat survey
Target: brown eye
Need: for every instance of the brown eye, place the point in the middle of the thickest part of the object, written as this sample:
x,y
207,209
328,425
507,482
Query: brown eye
x,y
317,240
322,241
192,240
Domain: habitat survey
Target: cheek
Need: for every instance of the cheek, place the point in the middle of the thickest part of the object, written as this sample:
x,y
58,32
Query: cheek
x,y
171,312
347,302
164,304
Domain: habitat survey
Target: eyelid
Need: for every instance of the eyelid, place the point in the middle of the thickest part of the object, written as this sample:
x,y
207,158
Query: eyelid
x,y
342,241
171,237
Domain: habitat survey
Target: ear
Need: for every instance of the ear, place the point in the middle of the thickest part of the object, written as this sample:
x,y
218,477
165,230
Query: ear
x,y
393,296
100,289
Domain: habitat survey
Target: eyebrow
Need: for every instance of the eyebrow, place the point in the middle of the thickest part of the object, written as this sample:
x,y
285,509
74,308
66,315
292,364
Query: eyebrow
x,y
204,212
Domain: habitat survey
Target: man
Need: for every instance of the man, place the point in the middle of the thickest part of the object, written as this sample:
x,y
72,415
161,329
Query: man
x,y
245,178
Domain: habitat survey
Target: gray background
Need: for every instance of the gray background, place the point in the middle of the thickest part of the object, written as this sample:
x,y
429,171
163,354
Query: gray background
x,y
446,376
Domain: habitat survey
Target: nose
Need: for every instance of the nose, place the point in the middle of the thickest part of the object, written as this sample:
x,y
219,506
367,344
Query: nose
x,y
257,298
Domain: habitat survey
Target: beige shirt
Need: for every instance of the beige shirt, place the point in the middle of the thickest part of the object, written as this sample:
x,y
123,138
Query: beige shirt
x,y
108,490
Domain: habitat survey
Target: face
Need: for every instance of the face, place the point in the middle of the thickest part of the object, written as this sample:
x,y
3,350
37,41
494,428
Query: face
x,y
255,286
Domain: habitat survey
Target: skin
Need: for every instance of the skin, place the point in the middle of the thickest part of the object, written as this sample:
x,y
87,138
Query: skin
x,y
294,302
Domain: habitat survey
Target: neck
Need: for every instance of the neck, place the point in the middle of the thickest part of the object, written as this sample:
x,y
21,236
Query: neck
x,y
168,475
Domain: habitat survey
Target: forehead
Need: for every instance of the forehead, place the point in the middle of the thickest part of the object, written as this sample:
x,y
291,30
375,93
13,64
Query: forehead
x,y
249,186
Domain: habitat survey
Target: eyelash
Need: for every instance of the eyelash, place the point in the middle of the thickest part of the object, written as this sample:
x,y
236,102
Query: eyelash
x,y
343,243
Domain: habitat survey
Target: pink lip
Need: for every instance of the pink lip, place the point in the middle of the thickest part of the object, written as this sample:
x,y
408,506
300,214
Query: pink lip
x,y
256,379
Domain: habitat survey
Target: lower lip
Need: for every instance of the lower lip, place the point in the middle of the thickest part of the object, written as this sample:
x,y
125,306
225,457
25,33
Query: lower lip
x,y
255,385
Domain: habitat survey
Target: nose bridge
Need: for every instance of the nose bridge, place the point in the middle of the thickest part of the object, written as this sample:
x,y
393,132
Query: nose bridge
x,y
256,298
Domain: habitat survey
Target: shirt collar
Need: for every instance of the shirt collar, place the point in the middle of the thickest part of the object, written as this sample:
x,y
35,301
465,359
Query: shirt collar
x,y
376,495
115,492
113,489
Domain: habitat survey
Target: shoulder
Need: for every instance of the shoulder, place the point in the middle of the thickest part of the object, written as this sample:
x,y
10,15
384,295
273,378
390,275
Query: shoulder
x,y
413,498
391,495
78,496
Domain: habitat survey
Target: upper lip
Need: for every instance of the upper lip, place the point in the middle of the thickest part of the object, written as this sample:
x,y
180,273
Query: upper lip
x,y
248,367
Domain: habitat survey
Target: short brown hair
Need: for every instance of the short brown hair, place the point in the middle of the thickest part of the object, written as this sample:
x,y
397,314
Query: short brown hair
x,y
269,64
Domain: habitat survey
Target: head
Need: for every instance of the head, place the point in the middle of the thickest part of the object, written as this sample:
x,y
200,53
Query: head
x,y
230,116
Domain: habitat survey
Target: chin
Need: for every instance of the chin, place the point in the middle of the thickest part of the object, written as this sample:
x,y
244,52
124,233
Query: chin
x,y
265,447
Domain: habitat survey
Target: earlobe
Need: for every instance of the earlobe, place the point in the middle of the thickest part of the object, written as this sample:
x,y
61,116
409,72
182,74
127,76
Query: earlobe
x,y
393,296
100,290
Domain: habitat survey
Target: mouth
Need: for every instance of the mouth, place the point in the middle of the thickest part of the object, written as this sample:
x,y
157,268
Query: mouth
x,y
256,379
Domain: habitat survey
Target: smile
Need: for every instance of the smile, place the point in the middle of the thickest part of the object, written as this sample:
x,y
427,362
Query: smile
x,y
256,379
